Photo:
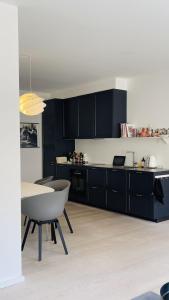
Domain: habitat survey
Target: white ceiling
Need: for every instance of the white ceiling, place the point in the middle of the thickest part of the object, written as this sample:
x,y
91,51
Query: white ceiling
x,y
80,41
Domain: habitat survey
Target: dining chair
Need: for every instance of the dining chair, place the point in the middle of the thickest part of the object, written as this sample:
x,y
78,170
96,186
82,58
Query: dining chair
x,y
44,209
59,185
41,181
44,180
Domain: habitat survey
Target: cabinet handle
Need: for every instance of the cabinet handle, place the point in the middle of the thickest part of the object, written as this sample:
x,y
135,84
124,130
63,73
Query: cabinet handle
x,y
114,191
139,195
114,170
93,168
94,187
51,163
77,173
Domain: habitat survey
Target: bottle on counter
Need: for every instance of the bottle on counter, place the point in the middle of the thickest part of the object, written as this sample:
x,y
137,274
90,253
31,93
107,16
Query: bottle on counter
x,y
74,157
143,163
81,157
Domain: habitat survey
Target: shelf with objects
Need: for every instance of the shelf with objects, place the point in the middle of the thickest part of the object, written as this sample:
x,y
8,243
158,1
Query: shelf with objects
x,y
130,131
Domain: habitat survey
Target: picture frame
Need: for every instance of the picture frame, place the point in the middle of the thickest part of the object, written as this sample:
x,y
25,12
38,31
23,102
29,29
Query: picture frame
x,y
29,135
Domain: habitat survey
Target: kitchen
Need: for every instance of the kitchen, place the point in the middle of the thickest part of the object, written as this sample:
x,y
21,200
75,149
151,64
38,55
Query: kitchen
x,y
122,186
80,50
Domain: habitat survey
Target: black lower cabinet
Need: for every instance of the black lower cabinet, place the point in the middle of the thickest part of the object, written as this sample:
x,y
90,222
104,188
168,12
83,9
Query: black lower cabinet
x,y
115,190
63,172
116,201
49,169
141,206
97,197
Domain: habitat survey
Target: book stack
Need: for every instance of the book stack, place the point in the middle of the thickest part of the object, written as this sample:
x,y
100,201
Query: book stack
x,y
128,130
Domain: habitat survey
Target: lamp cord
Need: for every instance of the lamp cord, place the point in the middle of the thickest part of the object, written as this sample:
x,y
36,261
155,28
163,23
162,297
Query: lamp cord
x,y
30,71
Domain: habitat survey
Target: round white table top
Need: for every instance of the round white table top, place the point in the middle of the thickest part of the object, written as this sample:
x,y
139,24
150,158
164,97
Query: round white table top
x,y
31,189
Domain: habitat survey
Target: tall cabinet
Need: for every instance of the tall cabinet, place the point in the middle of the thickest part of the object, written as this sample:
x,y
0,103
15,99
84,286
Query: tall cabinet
x,y
53,131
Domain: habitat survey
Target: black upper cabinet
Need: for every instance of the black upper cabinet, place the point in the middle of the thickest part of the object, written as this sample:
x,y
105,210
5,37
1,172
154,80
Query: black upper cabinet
x,y
119,111
104,114
52,121
86,116
71,118
110,112
96,115
48,122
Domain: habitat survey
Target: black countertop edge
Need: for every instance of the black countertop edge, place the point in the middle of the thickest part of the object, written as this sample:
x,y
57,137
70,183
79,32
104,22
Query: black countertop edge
x,y
108,166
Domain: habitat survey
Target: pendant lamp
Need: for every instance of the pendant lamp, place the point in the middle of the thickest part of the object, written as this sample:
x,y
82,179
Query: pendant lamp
x,y
30,103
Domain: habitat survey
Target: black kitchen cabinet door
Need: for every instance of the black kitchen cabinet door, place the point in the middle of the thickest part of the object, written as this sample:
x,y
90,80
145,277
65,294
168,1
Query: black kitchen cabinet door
x,y
62,172
52,121
49,169
71,118
86,116
116,201
49,160
111,110
104,114
59,119
141,183
117,180
119,111
116,196
96,177
141,206
97,197
49,122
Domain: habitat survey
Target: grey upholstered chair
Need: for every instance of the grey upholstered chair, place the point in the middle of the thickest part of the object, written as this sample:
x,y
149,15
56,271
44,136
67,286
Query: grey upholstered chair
x,y
40,181
45,209
59,185
44,180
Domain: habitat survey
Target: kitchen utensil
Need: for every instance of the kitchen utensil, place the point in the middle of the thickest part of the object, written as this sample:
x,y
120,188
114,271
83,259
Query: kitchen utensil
x,y
152,162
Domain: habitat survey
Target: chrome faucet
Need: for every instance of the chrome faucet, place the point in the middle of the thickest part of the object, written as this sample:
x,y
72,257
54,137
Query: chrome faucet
x,y
133,157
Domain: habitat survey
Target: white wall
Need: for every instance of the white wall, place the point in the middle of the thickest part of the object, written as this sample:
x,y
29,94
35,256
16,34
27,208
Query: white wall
x,y
148,104
31,158
10,203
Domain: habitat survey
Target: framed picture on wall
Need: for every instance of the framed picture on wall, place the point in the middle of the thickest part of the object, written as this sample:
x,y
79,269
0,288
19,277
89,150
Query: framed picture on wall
x,y
29,135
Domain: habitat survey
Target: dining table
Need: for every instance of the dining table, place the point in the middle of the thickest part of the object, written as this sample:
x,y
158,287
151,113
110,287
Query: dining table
x,y
29,189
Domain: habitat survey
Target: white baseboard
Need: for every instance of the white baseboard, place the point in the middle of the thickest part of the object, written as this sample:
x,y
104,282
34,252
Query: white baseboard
x,y
11,281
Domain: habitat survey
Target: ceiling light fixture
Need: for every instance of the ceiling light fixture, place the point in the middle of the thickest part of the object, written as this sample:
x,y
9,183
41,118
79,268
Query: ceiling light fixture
x,y
30,103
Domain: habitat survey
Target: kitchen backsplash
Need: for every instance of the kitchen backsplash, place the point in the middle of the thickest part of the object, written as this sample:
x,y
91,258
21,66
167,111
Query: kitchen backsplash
x,y
103,150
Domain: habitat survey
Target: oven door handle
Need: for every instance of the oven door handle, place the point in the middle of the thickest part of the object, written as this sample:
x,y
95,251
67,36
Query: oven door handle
x,y
77,173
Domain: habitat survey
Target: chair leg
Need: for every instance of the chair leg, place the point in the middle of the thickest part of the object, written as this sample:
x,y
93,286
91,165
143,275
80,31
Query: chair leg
x,y
25,221
39,242
61,236
68,221
26,234
53,233
33,228
51,229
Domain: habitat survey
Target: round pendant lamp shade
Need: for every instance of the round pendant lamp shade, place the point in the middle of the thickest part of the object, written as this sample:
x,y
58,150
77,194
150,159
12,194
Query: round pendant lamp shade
x,y
31,104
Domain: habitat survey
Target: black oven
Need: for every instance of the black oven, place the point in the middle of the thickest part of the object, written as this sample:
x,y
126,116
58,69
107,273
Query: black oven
x,y
78,181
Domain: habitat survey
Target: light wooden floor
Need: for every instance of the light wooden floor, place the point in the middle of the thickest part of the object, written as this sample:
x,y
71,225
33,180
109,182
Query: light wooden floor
x,y
111,256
